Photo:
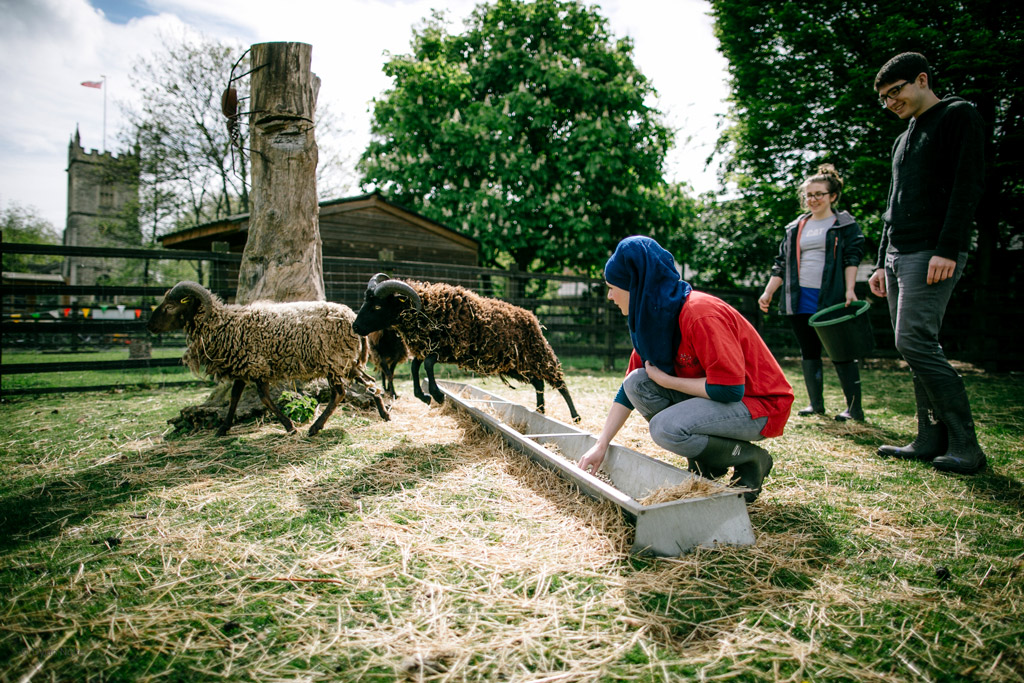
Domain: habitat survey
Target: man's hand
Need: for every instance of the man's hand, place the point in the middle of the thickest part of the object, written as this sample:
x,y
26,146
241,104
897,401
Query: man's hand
x,y
939,269
877,282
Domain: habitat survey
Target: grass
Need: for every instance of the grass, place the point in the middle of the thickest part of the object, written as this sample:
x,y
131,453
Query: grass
x,y
149,376
421,549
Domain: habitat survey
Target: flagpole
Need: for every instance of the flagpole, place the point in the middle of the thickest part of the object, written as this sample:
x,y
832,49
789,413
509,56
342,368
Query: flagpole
x,y
104,112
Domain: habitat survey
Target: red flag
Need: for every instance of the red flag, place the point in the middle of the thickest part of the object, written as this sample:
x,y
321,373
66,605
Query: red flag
x,y
93,84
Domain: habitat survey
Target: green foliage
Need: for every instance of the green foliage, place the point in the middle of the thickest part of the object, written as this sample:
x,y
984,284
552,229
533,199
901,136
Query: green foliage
x,y
802,94
528,131
298,407
21,225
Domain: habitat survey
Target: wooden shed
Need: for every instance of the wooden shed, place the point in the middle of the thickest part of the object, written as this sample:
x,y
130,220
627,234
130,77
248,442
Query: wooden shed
x,y
367,226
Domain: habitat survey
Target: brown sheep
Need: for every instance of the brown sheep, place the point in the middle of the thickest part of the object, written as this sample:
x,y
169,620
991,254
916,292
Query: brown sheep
x,y
264,343
449,324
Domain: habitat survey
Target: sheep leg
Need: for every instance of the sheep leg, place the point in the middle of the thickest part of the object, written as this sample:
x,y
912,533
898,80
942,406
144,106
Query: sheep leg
x,y
388,379
432,387
337,393
538,386
264,391
229,419
375,392
564,391
417,390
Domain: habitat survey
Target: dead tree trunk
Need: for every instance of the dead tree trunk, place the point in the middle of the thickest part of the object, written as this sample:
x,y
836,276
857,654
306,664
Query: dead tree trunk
x,y
282,260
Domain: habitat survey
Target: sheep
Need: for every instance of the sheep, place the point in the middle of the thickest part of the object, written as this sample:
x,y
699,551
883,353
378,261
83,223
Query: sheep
x,y
387,350
449,324
266,342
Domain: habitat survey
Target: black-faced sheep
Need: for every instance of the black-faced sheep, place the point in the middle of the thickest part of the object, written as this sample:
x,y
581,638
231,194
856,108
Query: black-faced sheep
x,y
266,342
449,324
387,350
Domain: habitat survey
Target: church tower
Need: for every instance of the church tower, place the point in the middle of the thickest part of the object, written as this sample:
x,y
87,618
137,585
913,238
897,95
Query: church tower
x,y
103,195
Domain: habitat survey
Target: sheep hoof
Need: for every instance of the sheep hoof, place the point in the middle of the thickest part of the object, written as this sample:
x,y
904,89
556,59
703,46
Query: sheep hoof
x,y
223,431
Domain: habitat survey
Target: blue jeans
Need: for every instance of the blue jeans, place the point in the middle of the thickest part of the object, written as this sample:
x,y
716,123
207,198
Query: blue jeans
x,y
681,423
916,309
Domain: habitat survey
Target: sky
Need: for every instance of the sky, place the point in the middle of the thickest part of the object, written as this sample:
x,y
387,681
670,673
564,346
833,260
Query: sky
x,y
49,47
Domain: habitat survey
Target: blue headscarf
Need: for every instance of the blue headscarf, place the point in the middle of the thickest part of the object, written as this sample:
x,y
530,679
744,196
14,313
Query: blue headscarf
x,y
656,296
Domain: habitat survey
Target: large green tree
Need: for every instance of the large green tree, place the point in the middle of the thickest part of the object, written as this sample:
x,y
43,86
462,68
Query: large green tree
x,y
531,131
801,76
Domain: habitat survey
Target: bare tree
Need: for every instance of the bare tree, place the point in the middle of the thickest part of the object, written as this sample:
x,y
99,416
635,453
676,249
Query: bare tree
x,y
186,165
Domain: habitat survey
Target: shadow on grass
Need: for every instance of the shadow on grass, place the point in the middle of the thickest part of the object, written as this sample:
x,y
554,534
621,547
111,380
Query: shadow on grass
x,y
68,500
996,487
390,471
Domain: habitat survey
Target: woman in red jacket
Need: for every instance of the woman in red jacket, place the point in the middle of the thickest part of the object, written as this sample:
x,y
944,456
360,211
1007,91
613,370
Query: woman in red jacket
x,y
699,373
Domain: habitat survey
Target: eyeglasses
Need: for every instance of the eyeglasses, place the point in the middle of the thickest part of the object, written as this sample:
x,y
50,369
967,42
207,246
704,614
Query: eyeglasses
x,y
892,93
816,195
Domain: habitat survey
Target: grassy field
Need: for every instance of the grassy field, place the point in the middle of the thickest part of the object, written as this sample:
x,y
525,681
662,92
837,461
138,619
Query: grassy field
x,y
150,376
421,549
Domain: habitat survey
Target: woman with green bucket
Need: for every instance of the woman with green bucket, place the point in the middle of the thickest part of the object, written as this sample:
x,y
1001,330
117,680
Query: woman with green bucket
x,y
816,268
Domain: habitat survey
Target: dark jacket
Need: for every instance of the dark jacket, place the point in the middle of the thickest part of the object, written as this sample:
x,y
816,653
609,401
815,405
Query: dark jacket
x,y
938,168
844,246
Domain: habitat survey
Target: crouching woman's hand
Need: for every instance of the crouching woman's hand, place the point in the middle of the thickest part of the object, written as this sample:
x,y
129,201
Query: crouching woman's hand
x,y
592,459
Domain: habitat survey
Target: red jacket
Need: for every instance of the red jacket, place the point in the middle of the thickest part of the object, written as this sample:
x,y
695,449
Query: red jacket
x,y
719,344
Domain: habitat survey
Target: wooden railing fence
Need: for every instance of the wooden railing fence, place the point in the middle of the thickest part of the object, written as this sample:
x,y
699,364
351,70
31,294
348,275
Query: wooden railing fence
x,y
579,321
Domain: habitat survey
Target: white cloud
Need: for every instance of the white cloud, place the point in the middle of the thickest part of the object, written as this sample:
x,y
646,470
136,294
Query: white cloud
x,y
49,47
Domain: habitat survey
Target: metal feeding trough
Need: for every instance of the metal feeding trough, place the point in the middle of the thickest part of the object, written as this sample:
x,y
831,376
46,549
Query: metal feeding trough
x,y
666,529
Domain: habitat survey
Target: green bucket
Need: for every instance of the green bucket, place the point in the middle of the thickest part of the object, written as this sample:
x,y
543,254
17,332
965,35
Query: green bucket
x,y
845,331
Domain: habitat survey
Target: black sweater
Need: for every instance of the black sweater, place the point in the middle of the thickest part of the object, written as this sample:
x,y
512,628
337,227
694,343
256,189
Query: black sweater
x,y
938,168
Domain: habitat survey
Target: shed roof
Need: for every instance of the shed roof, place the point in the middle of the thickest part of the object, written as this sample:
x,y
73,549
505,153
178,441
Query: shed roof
x,y
234,229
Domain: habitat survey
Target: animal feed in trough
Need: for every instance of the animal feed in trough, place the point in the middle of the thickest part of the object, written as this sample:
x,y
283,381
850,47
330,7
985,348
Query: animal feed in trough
x,y
667,528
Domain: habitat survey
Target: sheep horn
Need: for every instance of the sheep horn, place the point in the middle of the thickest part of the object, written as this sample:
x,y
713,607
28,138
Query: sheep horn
x,y
398,287
183,290
376,280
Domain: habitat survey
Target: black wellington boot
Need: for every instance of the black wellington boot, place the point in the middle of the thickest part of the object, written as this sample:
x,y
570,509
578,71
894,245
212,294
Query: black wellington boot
x,y
964,455
849,380
931,432
750,463
704,470
815,384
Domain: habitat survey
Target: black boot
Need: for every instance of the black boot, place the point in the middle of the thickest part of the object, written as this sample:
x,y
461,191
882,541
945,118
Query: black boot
x,y
931,433
815,384
964,455
849,380
750,463
704,470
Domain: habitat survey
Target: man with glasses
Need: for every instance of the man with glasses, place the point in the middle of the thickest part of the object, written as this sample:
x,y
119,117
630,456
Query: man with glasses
x,y
937,182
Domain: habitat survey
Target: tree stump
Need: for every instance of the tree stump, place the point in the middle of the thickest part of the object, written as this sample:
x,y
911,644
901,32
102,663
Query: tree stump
x,y
282,260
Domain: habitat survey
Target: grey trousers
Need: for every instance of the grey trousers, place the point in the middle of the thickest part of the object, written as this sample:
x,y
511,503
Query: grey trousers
x,y
681,423
916,310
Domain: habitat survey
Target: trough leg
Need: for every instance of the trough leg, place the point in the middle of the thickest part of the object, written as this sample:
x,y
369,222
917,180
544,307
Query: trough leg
x,y
432,387
337,393
264,392
229,419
